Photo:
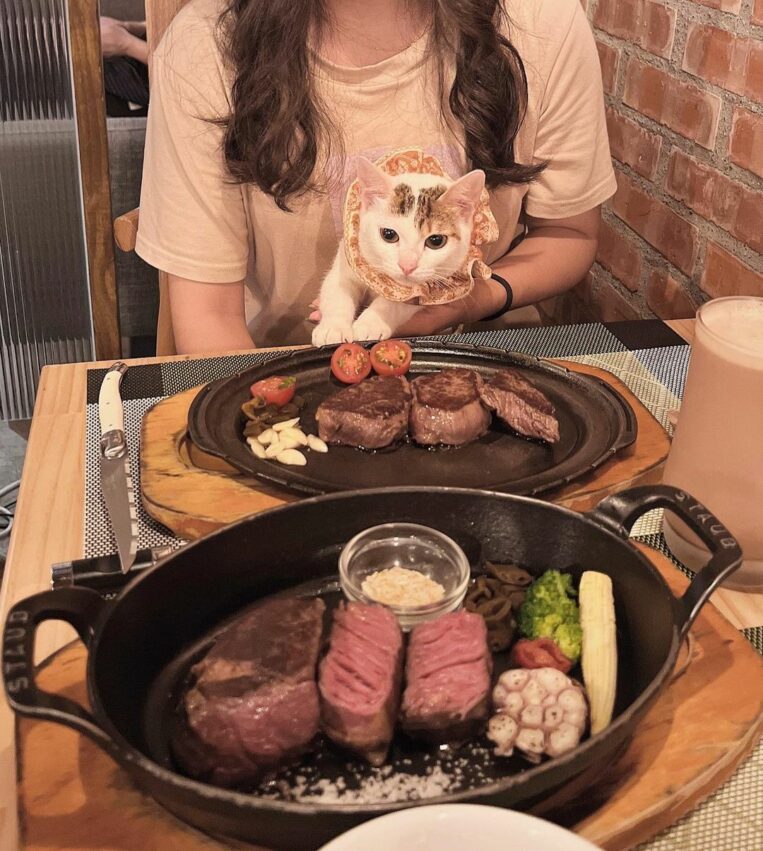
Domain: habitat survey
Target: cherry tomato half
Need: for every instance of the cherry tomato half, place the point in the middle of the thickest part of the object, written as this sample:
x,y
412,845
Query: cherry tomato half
x,y
350,363
391,357
277,390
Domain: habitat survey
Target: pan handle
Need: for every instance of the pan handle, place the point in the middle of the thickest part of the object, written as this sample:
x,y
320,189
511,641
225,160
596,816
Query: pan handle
x,y
80,608
620,511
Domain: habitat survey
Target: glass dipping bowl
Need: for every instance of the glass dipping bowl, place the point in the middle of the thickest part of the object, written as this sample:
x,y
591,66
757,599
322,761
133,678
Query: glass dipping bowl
x,y
410,546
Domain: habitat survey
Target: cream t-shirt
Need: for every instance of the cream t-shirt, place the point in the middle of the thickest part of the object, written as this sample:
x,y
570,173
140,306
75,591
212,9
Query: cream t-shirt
x,y
197,224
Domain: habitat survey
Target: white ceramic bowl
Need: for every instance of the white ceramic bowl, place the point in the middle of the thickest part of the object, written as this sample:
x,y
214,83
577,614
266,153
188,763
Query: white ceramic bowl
x,y
458,827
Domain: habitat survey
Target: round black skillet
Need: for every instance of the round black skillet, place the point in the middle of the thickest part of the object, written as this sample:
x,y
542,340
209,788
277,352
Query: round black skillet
x,y
594,423
137,639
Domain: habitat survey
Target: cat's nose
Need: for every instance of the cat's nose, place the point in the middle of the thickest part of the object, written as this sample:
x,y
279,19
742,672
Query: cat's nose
x,y
408,264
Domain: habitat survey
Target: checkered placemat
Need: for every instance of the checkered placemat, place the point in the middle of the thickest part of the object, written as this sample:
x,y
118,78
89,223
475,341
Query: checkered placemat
x,y
647,356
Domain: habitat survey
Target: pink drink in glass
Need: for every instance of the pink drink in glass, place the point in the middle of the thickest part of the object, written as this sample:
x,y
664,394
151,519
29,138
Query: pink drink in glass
x,y
717,450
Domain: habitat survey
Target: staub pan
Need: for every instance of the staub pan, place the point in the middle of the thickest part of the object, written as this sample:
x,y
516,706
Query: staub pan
x,y
136,639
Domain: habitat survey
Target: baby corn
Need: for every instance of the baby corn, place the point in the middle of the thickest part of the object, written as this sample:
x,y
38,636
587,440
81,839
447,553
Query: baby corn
x,y
599,656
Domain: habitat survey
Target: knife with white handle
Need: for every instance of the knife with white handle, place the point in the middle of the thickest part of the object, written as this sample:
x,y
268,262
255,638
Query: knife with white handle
x,y
116,480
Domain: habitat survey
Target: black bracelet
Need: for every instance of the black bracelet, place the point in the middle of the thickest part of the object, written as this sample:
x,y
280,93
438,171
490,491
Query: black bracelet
x,y
509,298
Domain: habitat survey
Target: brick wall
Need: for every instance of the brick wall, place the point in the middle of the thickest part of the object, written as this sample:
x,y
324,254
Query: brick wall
x,y
683,86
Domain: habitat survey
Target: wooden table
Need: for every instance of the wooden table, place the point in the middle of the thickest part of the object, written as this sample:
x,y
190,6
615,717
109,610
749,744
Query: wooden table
x,y
49,528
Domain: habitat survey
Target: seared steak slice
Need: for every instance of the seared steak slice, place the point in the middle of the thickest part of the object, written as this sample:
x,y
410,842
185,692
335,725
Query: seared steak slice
x,y
371,414
521,405
254,703
446,698
360,680
447,409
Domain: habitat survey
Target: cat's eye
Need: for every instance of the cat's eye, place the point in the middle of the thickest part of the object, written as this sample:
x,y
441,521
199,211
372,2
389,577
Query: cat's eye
x,y
436,240
389,235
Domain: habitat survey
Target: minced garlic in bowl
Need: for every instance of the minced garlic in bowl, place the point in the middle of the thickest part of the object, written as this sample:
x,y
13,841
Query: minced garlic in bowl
x,y
399,586
417,571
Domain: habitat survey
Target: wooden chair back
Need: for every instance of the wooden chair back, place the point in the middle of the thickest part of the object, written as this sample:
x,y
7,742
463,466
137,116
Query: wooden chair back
x,y
159,15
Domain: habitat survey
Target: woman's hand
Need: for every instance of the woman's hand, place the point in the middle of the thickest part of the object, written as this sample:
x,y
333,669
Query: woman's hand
x,y
124,38
487,297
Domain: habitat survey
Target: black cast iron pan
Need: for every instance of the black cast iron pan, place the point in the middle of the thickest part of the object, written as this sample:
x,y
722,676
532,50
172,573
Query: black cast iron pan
x,y
136,639
594,423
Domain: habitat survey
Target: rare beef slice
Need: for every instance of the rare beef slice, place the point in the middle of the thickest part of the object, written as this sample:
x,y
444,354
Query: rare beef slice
x,y
360,680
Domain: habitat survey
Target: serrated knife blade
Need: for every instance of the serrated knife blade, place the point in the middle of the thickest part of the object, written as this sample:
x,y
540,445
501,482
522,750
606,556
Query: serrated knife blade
x,y
116,480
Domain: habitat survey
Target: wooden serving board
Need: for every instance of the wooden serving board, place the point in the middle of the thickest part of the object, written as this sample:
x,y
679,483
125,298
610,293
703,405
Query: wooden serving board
x,y
707,720
193,493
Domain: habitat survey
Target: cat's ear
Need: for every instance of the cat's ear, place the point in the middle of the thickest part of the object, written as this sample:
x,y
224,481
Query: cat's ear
x,y
374,183
464,195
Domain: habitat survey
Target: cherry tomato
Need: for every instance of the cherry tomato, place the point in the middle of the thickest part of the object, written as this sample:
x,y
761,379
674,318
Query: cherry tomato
x,y
350,363
539,653
391,357
277,390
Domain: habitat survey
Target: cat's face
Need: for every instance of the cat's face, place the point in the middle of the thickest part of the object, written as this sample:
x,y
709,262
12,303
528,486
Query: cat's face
x,y
416,227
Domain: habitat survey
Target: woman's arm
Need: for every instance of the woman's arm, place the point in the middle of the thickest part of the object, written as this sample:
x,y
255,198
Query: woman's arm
x,y
208,317
554,256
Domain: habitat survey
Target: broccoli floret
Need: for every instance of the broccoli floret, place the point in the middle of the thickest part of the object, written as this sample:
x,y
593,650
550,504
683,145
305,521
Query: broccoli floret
x,y
549,611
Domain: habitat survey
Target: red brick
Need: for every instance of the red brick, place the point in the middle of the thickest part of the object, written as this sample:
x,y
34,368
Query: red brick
x,y
683,107
667,298
671,235
612,306
643,22
732,6
632,144
757,13
719,56
620,255
724,275
715,197
609,58
746,140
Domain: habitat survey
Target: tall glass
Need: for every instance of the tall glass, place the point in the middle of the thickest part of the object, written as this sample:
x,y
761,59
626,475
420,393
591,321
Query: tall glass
x,y
717,450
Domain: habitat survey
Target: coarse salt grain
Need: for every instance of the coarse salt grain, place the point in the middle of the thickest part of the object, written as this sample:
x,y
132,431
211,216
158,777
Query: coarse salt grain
x,y
380,787
400,586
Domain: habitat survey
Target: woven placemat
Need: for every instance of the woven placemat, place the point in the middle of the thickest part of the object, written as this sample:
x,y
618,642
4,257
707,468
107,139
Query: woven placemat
x,y
647,356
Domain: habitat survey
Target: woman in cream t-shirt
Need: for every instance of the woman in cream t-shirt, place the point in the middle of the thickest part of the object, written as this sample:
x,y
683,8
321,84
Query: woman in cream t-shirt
x,y
256,120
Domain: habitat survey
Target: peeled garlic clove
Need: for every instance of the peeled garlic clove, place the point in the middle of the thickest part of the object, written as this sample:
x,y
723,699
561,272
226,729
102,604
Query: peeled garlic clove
x,y
316,444
267,437
273,450
286,424
293,457
257,448
294,434
287,442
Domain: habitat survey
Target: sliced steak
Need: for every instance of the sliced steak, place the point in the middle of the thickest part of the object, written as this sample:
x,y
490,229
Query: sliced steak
x,y
360,680
254,702
447,408
371,414
521,405
446,697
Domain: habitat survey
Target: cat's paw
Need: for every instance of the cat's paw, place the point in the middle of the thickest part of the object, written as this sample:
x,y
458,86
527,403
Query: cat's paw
x,y
370,328
330,333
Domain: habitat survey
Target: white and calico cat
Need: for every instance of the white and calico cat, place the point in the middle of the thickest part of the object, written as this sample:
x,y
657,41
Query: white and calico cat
x,y
413,228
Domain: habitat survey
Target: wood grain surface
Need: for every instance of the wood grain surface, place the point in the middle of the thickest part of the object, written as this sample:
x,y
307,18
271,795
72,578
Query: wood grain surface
x,y
90,104
702,726
193,493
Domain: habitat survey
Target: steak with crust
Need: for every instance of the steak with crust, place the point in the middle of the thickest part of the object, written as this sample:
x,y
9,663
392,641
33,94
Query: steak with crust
x,y
447,409
372,414
254,702
521,405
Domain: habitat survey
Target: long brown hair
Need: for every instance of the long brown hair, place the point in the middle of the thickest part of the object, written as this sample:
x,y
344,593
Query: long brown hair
x,y
277,124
